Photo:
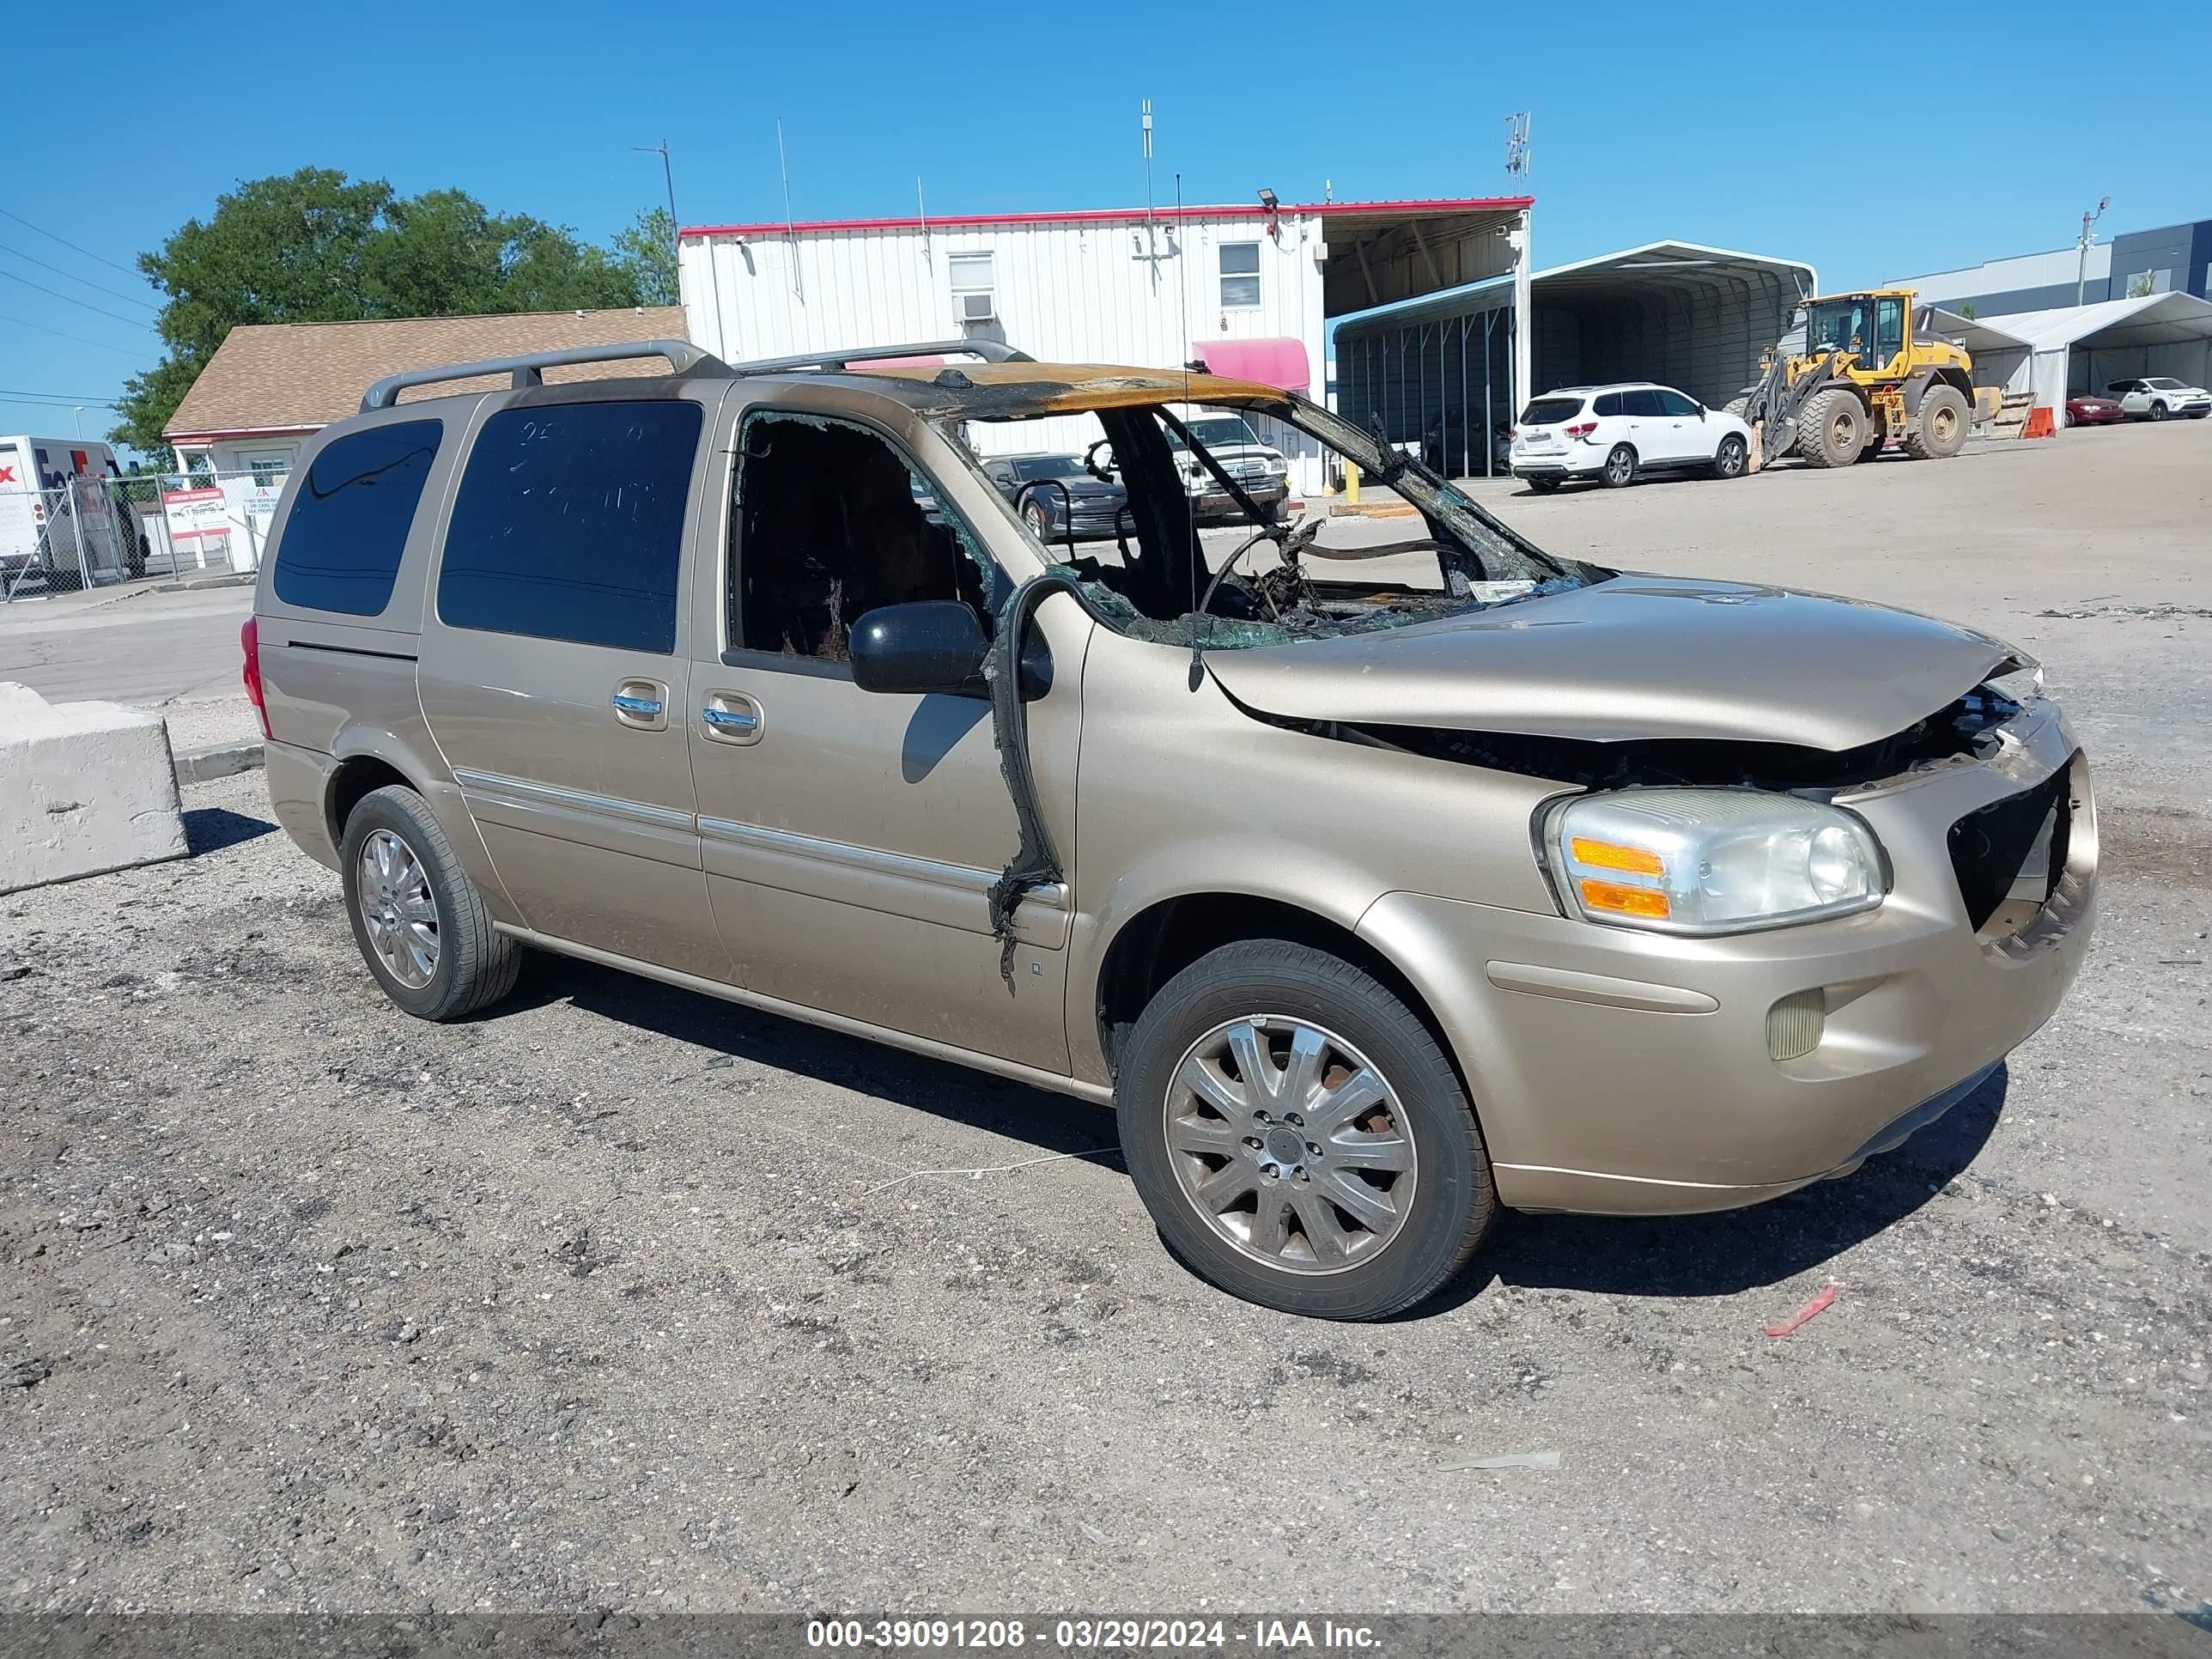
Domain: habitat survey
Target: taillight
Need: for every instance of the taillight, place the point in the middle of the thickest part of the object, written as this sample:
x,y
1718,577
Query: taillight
x,y
249,640
1582,429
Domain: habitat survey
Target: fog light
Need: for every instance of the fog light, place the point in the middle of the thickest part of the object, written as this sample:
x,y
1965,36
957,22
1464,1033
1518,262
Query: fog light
x,y
1794,1024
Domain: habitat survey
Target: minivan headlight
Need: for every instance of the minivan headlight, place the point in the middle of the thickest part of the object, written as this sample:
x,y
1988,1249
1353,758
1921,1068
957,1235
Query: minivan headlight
x,y
1710,861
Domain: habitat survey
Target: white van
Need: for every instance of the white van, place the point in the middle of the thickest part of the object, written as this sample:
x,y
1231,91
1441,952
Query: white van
x,y
39,511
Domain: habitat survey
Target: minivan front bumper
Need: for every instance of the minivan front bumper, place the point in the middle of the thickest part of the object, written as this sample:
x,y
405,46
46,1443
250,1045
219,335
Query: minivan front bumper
x,y
1615,1071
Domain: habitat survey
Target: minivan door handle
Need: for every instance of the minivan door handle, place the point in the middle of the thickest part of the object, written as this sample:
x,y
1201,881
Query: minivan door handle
x,y
731,717
641,705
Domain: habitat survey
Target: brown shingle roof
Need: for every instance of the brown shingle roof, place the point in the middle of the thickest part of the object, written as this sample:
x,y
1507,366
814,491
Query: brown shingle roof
x,y
300,376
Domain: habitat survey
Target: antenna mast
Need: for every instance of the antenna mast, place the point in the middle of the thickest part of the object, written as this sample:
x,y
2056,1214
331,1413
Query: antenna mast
x,y
790,229
1152,254
1517,144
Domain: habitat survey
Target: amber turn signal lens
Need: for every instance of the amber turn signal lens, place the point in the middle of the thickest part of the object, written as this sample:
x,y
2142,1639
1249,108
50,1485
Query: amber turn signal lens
x,y
1610,856
1622,900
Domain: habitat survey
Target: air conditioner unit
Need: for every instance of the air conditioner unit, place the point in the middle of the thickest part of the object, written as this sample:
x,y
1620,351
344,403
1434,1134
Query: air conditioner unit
x,y
977,307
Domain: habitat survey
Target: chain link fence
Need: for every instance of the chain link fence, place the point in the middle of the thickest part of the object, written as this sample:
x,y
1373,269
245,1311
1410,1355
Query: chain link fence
x,y
94,532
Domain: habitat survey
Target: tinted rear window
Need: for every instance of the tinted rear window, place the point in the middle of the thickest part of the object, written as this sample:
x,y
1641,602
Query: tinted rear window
x,y
568,524
349,525
1611,403
1547,412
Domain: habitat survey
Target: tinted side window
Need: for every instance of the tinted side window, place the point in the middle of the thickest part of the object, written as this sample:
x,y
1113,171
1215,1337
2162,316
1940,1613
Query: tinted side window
x,y
349,521
1676,404
1645,402
1609,403
568,524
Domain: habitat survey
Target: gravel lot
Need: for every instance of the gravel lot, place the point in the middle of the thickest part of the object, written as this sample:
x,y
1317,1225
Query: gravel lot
x,y
624,1298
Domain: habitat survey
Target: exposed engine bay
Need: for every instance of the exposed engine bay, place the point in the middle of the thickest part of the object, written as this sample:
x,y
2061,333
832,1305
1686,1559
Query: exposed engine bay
x,y
1961,731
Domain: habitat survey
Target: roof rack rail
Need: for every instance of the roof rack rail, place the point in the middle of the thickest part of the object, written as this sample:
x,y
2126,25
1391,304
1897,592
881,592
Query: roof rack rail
x,y
829,363
528,369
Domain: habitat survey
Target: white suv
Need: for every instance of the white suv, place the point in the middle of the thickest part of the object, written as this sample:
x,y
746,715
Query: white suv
x,y
2154,397
1615,432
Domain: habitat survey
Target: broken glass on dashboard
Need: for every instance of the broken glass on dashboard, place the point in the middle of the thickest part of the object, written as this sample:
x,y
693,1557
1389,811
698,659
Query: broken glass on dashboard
x,y
1269,570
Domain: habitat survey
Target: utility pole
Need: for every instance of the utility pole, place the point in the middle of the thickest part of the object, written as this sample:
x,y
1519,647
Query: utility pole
x,y
2081,262
667,174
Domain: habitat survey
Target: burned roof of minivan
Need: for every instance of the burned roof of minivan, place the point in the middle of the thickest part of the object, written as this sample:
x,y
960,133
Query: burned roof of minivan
x,y
1014,390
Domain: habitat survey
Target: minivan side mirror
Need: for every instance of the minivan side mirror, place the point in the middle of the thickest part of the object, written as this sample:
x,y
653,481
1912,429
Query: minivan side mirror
x,y
925,645
936,645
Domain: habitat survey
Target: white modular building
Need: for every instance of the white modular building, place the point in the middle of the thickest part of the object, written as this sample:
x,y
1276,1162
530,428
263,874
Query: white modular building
x,y
1244,290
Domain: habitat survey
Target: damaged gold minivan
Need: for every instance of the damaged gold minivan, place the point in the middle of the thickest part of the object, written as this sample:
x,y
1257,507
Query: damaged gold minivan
x,y
1375,885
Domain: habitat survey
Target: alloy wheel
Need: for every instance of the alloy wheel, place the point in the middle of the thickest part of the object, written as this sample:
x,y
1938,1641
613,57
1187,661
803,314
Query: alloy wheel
x,y
397,909
1291,1145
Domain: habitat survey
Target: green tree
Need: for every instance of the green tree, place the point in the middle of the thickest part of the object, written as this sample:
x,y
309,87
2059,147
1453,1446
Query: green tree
x,y
647,250
315,246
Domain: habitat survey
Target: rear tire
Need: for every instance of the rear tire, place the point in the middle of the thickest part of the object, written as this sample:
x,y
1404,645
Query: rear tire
x,y
1729,458
1410,1161
1737,405
1619,468
1541,486
1833,430
1939,431
462,962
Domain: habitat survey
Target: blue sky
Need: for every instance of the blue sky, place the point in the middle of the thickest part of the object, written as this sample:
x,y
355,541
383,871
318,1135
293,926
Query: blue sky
x,y
1870,142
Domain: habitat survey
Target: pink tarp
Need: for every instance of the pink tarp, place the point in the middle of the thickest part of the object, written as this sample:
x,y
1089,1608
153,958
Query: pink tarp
x,y
1280,363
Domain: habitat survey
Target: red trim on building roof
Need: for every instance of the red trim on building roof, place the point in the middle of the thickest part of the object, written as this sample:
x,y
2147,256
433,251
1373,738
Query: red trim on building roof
x,y
174,437
1116,215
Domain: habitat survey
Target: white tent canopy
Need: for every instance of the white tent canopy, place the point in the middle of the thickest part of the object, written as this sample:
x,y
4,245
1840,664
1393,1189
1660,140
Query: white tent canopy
x,y
2076,348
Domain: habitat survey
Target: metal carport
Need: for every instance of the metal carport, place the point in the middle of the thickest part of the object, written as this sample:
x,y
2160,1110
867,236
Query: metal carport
x,y
2001,357
1431,369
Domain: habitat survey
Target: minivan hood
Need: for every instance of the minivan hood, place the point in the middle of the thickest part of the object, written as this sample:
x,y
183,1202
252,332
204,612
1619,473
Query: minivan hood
x,y
1633,657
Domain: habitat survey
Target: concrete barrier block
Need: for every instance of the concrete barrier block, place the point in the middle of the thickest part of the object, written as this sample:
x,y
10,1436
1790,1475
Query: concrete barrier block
x,y
217,760
84,787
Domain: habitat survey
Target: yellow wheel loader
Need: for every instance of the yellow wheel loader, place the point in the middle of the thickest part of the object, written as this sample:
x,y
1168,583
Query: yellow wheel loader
x,y
1866,376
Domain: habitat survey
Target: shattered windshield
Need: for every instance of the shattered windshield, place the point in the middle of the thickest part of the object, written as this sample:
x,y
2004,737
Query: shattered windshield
x,y
1212,553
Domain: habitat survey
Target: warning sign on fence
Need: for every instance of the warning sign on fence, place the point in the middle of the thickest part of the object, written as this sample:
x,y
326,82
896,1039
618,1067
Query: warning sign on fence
x,y
195,513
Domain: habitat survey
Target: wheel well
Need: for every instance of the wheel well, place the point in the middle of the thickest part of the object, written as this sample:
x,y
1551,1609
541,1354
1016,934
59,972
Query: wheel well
x,y
1158,944
352,780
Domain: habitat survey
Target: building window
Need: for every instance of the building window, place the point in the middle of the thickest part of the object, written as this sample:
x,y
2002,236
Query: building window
x,y
268,467
2144,283
974,294
1240,276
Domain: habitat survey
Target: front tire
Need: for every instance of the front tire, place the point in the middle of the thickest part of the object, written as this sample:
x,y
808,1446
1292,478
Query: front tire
x,y
1298,1137
2158,411
1619,468
419,920
1729,458
1939,431
1833,430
